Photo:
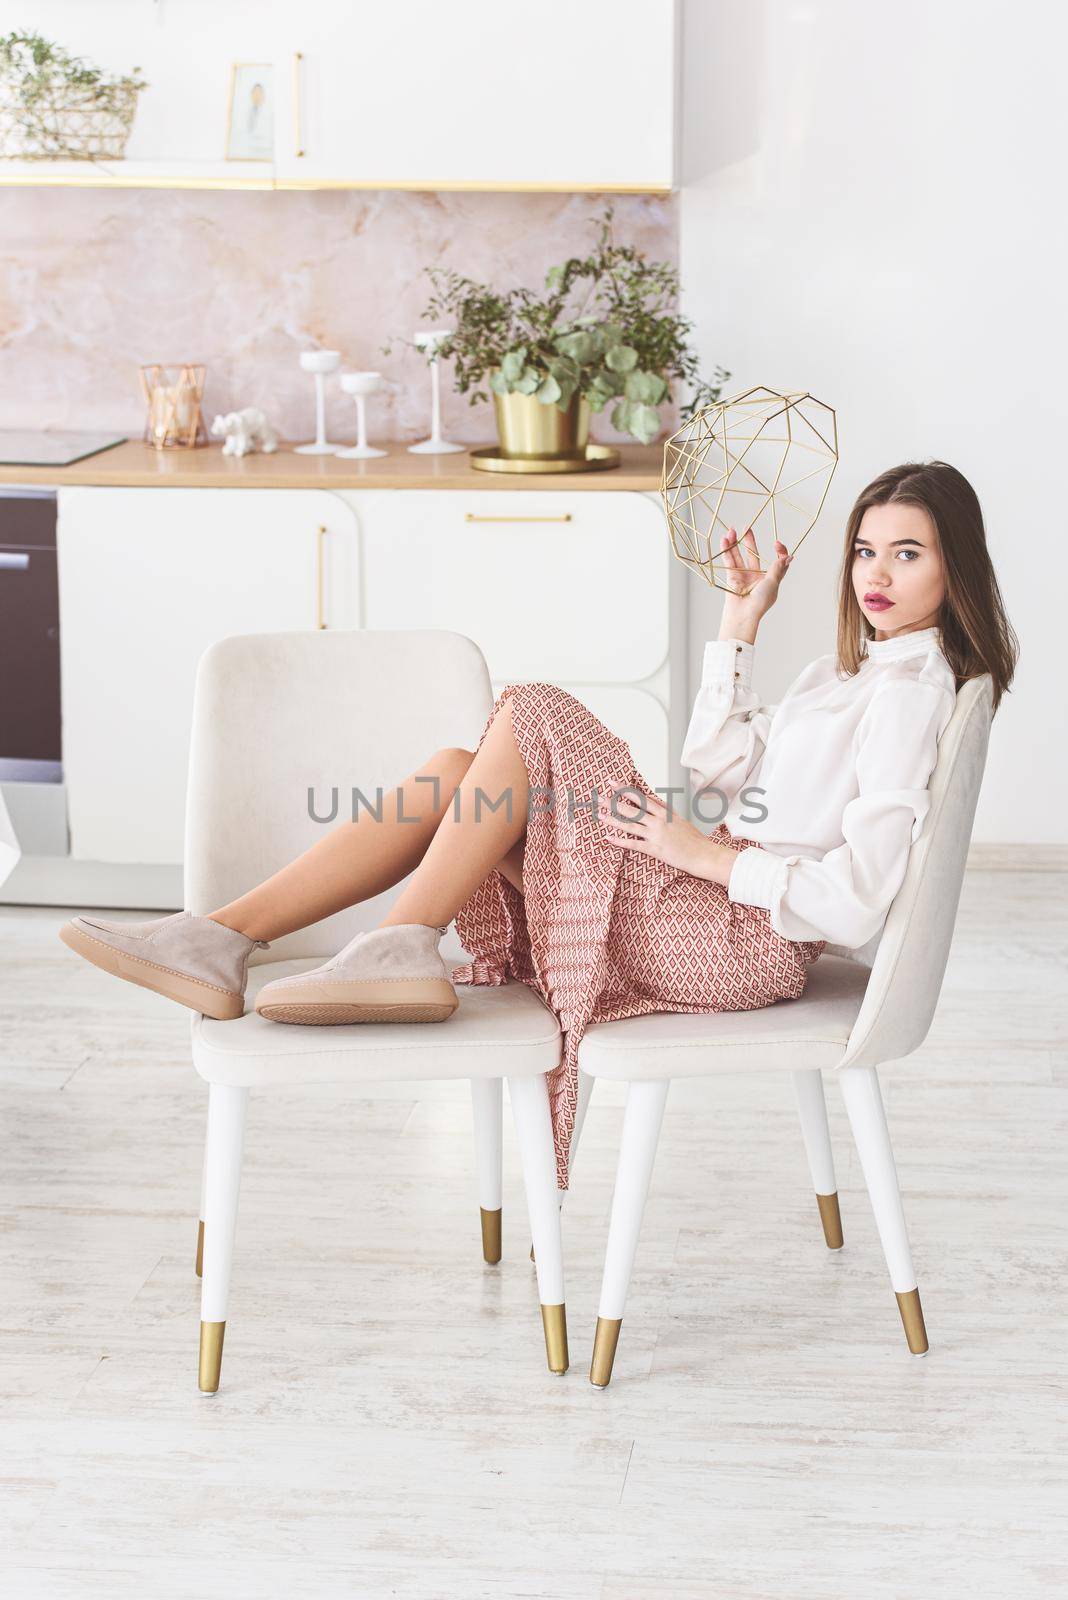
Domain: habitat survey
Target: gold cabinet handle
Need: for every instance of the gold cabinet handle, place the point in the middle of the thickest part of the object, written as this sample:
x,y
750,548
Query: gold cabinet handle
x,y
298,134
472,517
320,534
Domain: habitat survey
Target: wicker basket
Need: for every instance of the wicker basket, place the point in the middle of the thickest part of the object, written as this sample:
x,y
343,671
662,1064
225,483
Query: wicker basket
x,y
62,126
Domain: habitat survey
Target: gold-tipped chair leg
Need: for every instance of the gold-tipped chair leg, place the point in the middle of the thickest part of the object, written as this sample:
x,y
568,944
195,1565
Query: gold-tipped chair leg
x,y
200,1248
604,1350
211,1349
908,1303
554,1321
491,1235
831,1217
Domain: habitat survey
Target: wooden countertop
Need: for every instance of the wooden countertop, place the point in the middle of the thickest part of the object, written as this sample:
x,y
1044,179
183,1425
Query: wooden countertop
x,y
134,464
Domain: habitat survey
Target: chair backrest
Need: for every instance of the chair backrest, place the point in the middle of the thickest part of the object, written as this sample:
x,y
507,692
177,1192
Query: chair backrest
x,y
278,714
913,947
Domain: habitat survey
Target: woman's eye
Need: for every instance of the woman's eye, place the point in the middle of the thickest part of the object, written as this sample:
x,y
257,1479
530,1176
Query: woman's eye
x,y
912,554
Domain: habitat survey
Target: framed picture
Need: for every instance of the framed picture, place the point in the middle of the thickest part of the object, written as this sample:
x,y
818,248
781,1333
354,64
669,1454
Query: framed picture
x,y
250,113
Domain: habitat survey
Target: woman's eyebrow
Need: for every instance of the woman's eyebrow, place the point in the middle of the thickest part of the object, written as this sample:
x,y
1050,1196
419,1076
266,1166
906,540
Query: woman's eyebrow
x,y
868,545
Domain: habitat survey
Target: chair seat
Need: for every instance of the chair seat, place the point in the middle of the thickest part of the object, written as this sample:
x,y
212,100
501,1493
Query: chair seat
x,y
791,1034
497,1031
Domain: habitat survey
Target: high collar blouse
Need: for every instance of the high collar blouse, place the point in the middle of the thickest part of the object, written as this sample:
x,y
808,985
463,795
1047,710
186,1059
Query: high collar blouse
x,y
832,781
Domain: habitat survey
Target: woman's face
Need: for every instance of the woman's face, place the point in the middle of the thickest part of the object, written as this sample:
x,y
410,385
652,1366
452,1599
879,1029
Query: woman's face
x,y
896,558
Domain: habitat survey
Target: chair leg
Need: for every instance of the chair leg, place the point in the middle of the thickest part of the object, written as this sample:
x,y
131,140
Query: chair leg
x,y
226,1137
812,1105
867,1118
642,1121
534,1130
585,1090
486,1103
199,1267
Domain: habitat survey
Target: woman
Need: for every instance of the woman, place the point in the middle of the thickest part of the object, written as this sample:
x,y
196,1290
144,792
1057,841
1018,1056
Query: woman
x,y
565,871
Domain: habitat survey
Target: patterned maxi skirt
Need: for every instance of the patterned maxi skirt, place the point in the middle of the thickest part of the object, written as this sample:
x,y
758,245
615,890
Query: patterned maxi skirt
x,y
600,932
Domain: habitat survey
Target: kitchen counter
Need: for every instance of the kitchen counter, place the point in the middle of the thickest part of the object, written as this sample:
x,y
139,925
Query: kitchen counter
x,y
137,465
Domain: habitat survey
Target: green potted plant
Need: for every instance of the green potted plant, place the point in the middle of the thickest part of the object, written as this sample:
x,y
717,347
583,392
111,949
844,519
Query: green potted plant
x,y
605,332
55,106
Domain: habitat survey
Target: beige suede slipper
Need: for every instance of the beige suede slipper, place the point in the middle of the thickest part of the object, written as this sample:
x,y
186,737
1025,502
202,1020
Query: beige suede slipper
x,y
390,974
198,962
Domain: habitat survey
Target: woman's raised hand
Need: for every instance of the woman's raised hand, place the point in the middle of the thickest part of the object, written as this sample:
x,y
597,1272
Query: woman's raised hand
x,y
751,590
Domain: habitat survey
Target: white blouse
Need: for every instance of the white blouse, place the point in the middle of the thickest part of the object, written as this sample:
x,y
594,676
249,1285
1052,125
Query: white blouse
x,y
832,781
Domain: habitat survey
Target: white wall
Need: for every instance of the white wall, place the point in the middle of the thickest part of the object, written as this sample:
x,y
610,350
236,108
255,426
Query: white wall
x,y
872,210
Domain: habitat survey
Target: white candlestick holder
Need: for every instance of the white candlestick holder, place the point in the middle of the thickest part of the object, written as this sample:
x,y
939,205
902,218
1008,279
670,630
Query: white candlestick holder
x,y
319,362
429,341
359,385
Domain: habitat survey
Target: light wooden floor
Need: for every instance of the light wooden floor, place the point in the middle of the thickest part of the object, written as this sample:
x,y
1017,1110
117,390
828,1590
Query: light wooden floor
x,y
386,1426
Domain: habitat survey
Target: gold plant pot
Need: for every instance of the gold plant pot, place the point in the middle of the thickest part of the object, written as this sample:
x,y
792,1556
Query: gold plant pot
x,y
528,429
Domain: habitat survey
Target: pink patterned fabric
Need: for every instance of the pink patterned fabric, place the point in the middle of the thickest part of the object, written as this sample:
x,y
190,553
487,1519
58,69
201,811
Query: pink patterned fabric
x,y
602,933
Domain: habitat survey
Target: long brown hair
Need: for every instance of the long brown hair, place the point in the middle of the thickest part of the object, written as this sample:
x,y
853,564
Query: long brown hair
x,y
975,634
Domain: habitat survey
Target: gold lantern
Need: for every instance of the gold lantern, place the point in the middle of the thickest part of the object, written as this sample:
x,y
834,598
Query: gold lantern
x,y
173,394
760,460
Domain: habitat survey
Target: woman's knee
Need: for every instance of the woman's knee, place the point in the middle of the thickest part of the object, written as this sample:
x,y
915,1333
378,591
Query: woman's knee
x,y
450,763
542,696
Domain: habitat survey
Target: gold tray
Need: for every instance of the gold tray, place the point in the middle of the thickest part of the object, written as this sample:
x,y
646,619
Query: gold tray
x,y
596,459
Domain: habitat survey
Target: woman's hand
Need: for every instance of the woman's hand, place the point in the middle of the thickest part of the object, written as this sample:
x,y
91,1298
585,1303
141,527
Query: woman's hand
x,y
751,592
646,825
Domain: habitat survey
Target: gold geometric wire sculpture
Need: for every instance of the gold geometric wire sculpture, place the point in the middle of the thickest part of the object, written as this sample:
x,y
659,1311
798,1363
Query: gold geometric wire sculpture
x,y
760,460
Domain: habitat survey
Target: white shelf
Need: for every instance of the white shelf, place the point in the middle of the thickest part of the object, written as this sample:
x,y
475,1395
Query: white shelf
x,y
261,175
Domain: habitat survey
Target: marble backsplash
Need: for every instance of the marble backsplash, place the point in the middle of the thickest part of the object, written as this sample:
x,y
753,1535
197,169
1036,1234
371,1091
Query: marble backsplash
x,y
95,282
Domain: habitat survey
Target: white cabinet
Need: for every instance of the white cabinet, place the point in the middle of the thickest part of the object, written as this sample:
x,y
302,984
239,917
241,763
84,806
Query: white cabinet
x,y
149,578
569,585
418,95
481,94
570,588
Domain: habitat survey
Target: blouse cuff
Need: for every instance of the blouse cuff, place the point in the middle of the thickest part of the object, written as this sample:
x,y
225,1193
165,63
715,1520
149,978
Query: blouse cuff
x,y
728,663
757,878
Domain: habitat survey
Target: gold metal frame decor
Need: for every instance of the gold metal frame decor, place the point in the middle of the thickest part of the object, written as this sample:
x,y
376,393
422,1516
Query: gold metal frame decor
x,y
173,395
760,460
264,141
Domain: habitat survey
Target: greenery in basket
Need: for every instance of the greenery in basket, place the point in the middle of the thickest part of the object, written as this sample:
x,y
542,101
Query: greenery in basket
x,y
40,82
605,328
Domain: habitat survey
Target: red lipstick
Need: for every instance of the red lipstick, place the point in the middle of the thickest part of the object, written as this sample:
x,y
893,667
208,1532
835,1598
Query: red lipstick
x,y
877,602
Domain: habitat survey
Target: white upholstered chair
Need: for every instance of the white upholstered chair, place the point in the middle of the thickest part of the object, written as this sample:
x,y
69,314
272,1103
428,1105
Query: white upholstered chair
x,y
280,720
859,1009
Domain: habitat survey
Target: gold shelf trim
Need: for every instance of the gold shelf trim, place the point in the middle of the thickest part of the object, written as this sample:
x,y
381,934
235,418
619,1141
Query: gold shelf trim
x,y
417,185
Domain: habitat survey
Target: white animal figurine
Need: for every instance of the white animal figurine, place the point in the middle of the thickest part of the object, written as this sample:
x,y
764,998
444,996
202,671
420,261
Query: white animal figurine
x,y
245,432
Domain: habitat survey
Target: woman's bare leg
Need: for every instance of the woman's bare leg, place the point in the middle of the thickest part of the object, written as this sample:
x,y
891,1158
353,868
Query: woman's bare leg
x,y
483,824
360,859
356,860
511,865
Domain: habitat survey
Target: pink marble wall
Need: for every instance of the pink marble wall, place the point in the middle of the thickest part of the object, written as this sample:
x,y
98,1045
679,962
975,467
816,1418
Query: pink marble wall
x,y
93,283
